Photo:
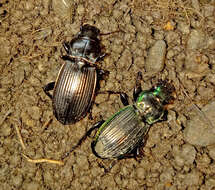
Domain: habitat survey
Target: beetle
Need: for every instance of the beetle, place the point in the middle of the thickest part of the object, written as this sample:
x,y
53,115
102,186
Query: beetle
x,y
122,134
74,88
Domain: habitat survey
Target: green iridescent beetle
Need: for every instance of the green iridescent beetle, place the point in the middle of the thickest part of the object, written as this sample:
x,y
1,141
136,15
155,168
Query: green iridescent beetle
x,y
124,132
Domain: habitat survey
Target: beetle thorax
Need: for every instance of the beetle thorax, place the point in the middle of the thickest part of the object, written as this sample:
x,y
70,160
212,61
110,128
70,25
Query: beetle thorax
x,y
149,107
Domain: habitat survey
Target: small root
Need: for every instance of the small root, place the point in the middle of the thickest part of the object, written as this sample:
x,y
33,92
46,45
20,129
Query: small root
x,y
46,124
42,160
20,137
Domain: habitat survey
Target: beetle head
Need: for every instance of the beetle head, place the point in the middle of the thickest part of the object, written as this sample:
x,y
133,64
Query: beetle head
x,y
164,91
89,31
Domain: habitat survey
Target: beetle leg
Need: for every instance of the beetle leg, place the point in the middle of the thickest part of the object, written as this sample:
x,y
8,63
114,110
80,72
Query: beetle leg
x,y
66,46
136,153
66,57
124,99
106,169
88,133
48,87
101,57
137,88
164,117
102,74
108,92
96,125
90,115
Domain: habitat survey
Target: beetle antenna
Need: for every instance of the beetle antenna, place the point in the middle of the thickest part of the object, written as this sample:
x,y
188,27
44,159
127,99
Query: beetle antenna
x,y
104,34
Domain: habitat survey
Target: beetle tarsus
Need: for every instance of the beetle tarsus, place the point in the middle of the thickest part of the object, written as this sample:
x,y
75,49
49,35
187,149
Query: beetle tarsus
x,y
124,99
164,118
49,87
137,88
66,47
97,125
102,74
101,57
66,58
107,169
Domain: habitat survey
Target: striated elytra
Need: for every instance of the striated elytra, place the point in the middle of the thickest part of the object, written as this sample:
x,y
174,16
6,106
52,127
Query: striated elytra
x,y
75,85
73,92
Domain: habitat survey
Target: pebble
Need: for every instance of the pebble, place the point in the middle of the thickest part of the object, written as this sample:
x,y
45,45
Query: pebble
x,y
172,37
196,65
62,8
211,43
34,112
2,151
5,130
196,40
195,5
5,47
155,60
210,183
209,10
212,152
167,175
17,180
192,178
185,155
82,162
19,76
198,131
211,78
32,186
183,27
29,5
141,173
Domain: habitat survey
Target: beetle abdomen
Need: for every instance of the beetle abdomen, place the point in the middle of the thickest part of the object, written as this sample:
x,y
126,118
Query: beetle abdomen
x,y
73,92
120,134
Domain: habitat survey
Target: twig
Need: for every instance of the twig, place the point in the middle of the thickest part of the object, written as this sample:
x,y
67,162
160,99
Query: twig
x,y
42,160
46,124
20,137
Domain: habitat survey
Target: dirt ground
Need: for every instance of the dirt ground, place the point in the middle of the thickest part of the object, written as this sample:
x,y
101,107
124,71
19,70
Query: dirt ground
x,y
167,39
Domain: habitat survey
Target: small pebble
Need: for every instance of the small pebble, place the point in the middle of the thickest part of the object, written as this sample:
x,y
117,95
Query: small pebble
x,y
17,180
196,40
32,186
5,130
155,60
62,8
212,152
198,130
186,155
192,178
183,27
